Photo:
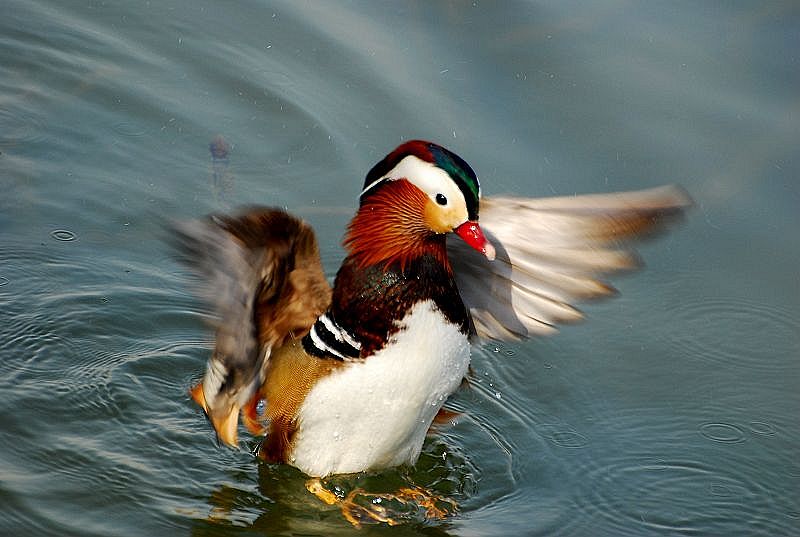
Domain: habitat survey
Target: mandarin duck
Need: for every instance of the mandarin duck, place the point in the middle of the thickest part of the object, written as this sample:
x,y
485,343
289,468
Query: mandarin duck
x,y
350,378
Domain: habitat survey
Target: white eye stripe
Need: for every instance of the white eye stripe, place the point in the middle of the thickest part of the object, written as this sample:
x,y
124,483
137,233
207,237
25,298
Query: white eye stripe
x,y
372,185
427,177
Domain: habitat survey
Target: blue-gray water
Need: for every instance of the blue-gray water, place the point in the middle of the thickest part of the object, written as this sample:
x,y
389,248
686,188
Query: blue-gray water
x,y
675,410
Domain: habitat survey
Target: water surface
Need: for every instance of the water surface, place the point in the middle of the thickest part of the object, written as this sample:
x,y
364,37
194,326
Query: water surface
x,y
674,410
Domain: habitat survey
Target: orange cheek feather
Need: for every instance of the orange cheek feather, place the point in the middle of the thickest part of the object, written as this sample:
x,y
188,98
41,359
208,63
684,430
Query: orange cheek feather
x,y
439,220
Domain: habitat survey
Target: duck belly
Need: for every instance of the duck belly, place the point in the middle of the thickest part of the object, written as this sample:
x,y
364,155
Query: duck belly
x,y
375,413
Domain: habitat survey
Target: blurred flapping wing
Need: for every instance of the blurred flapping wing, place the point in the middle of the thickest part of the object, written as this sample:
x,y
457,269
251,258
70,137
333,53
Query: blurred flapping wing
x,y
553,252
261,275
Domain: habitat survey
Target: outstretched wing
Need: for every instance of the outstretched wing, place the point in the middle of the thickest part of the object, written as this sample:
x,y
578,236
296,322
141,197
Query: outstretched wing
x,y
260,272
553,252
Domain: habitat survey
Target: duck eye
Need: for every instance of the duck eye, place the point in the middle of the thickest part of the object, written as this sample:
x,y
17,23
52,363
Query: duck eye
x,y
441,199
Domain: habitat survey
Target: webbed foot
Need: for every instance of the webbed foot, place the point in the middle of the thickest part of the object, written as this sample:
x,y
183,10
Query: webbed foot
x,y
361,507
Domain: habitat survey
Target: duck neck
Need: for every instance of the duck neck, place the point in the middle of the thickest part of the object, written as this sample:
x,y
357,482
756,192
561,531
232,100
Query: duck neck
x,y
371,302
394,262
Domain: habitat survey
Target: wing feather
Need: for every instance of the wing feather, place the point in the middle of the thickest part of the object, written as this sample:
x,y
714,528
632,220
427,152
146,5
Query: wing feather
x,y
261,274
553,252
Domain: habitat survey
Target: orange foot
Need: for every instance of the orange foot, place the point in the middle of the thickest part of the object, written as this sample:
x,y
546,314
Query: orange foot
x,y
385,507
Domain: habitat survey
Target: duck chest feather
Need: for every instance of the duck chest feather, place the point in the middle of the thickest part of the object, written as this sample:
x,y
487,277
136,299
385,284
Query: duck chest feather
x,y
376,412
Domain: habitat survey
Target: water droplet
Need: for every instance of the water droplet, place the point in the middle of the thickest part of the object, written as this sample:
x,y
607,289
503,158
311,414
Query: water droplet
x,y
717,489
569,439
64,235
498,395
129,129
762,428
722,432
562,435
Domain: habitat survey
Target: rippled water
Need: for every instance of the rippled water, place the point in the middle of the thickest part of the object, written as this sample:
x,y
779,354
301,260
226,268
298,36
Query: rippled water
x,y
674,410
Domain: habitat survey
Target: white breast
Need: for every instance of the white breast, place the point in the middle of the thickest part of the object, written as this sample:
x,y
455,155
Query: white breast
x,y
375,413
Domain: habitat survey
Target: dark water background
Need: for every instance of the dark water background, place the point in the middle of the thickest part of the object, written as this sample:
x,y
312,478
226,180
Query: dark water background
x,y
674,411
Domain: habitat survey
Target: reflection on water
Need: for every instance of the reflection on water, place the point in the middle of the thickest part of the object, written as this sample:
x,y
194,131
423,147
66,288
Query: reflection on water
x,y
222,179
276,498
673,409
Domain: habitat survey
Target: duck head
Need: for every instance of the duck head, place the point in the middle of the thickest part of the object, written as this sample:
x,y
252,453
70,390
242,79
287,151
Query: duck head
x,y
411,199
